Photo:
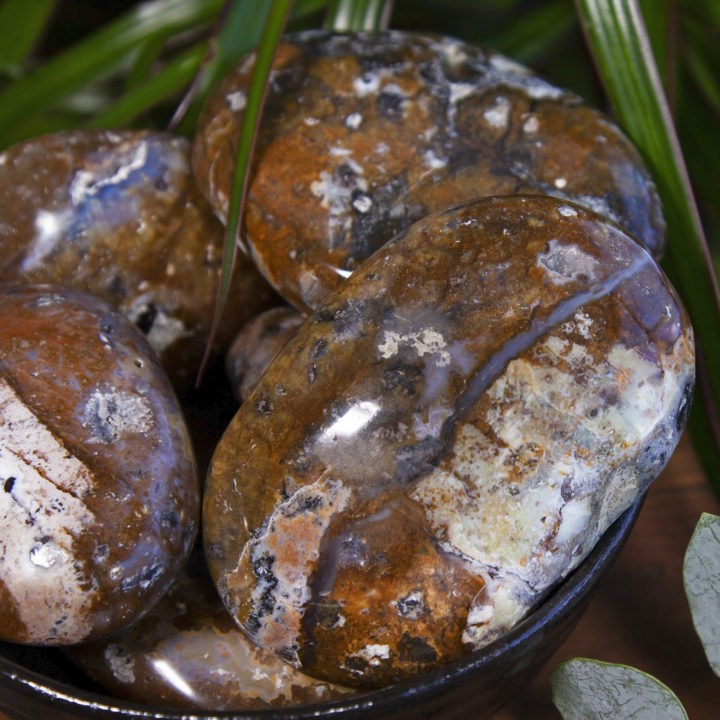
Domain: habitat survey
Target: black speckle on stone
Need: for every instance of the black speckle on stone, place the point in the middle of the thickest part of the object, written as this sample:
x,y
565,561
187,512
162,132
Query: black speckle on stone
x,y
98,415
263,406
345,174
566,490
356,665
253,624
150,573
413,462
301,463
107,325
410,606
415,649
327,614
389,105
288,654
101,553
347,318
302,504
213,551
9,484
143,579
321,317
361,201
263,567
146,318
684,407
169,519
318,349
312,372
403,376
310,503
267,603
116,287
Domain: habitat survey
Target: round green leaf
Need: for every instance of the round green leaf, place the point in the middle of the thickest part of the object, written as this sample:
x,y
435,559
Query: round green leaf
x,y
701,577
593,690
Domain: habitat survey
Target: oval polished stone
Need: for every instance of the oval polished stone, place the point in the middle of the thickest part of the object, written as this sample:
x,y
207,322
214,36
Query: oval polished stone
x,y
488,392
188,653
99,498
118,214
364,134
255,346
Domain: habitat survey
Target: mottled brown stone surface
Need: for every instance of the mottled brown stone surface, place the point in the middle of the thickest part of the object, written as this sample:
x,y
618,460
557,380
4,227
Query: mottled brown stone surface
x,y
255,346
364,134
188,653
117,214
99,498
488,392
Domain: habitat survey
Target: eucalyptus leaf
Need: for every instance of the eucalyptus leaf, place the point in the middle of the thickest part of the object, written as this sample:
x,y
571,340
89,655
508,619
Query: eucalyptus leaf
x,y
592,690
701,578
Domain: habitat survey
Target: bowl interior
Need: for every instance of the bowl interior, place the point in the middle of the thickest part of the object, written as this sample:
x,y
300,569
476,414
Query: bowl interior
x,y
34,680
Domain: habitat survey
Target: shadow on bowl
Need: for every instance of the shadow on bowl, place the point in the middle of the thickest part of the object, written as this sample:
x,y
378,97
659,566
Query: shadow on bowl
x,y
41,683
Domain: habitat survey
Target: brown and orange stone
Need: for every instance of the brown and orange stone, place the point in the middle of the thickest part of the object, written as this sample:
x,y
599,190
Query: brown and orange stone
x,y
489,391
364,134
255,346
187,652
118,214
99,497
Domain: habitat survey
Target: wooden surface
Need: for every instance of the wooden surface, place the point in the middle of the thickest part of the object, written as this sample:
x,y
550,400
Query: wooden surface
x,y
639,615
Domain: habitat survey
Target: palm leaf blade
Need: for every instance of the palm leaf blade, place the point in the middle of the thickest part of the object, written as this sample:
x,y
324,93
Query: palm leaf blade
x,y
616,35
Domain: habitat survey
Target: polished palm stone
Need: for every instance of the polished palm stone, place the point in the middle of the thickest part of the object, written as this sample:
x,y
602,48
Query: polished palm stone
x,y
447,437
364,134
188,653
118,214
99,496
255,346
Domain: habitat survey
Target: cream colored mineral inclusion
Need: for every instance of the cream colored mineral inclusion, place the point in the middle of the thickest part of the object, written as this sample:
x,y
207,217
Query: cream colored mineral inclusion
x,y
43,503
530,509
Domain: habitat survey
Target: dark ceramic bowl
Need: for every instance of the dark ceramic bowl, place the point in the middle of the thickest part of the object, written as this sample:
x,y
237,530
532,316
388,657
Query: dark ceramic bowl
x,y
38,683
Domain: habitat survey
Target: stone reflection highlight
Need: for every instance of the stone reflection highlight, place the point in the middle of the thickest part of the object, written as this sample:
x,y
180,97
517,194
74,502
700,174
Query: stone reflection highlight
x,y
187,653
446,438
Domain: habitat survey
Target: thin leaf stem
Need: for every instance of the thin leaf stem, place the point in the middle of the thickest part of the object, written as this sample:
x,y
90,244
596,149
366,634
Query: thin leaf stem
x,y
275,24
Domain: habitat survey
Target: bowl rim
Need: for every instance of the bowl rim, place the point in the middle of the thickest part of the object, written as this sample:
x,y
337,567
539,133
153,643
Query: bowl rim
x,y
563,599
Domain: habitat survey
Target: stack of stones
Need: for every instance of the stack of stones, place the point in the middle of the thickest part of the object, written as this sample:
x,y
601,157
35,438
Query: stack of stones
x,y
456,357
